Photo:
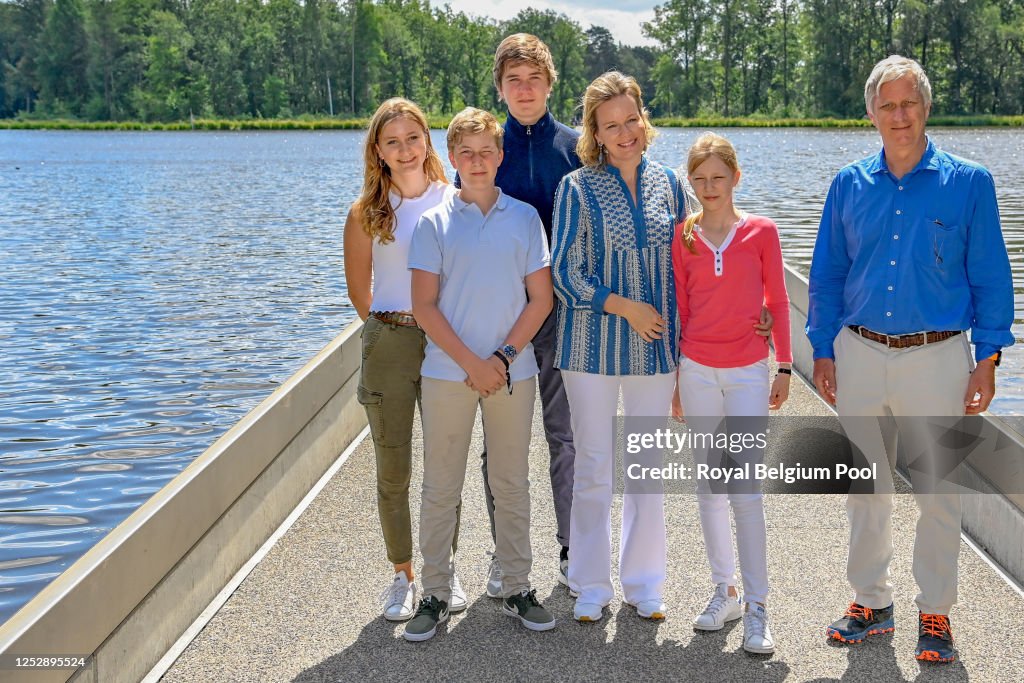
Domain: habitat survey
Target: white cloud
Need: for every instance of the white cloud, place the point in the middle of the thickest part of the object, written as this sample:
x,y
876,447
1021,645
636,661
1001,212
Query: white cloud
x,y
623,23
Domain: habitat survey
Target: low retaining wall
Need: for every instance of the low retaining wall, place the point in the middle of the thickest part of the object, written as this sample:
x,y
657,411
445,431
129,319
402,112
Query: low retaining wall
x,y
128,599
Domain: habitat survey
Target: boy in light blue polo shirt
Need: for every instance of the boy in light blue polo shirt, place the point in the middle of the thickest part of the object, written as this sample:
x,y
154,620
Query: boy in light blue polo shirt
x,y
481,288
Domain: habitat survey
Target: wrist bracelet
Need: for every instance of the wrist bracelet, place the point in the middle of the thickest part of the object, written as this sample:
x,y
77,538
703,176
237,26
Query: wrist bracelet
x,y
785,371
504,360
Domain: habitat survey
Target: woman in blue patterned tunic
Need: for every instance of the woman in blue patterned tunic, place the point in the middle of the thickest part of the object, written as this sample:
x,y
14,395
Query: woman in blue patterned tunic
x,y
618,332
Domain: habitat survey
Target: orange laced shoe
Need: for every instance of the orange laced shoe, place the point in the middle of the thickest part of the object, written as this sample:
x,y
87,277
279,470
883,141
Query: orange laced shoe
x,y
859,622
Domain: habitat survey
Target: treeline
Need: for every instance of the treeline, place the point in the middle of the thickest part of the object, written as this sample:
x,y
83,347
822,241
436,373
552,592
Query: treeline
x,y
162,60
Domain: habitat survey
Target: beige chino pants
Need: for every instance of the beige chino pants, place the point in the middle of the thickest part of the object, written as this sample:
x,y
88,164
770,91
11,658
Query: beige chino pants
x,y
449,411
876,381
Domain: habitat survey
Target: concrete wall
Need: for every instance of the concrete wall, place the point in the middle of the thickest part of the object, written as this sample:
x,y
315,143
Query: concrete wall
x,y
128,599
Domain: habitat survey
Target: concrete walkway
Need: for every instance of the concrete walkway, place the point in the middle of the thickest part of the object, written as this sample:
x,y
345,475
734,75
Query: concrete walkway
x,y
310,610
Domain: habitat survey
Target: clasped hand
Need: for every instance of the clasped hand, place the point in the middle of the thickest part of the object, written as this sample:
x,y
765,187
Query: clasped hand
x,y
486,376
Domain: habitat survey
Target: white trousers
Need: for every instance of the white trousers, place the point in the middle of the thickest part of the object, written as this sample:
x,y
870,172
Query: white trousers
x,y
873,380
593,403
707,394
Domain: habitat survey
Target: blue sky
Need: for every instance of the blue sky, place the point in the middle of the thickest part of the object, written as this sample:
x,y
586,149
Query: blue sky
x,y
621,17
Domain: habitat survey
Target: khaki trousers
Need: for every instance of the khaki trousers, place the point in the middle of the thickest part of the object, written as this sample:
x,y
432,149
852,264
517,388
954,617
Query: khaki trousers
x,y
876,381
449,411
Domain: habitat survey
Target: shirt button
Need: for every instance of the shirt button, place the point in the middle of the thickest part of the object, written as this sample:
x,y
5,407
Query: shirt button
x,y
898,212
901,188
888,314
892,263
895,237
890,288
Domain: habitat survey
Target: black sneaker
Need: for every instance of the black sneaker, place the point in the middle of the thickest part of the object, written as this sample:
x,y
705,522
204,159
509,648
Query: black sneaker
x,y
429,614
525,606
859,622
934,638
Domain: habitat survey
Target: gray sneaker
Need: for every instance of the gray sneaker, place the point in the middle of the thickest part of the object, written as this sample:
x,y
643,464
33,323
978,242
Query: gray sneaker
x,y
529,611
430,613
494,576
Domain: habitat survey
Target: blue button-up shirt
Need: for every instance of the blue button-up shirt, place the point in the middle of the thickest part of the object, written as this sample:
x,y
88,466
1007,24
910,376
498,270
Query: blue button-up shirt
x,y
924,252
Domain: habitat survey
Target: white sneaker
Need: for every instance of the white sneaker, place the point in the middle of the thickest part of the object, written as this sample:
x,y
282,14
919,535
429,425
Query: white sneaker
x,y
721,608
494,578
458,602
586,611
651,609
399,599
757,637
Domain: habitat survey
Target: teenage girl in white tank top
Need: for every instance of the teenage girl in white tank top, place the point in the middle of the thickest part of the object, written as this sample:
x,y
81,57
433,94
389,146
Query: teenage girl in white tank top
x,y
403,177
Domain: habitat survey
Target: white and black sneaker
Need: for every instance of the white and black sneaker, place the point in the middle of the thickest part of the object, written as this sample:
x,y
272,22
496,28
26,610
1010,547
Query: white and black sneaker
x,y
528,609
430,613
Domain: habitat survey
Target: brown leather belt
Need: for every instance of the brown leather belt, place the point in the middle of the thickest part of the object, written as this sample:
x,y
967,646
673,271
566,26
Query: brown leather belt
x,y
904,341
395,318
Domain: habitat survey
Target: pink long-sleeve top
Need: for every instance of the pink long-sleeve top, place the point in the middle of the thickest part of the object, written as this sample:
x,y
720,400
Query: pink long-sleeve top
x,y
720,291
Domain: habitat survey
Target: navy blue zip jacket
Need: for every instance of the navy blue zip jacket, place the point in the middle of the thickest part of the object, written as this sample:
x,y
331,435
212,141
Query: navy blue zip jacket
x,y
536,159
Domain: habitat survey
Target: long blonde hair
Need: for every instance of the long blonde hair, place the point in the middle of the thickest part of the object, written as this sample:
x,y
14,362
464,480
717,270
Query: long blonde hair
x,y
707,145
374,203
603,88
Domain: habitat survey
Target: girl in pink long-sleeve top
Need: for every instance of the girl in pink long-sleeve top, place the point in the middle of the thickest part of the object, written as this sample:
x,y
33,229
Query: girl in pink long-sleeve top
x,y
727,264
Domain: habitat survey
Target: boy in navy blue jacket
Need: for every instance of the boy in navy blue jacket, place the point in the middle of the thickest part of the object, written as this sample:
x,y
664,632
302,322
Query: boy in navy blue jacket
x,y
539,152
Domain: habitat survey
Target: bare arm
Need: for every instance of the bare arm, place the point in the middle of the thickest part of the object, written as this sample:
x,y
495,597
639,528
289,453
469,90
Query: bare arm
x,y
486,376
358,263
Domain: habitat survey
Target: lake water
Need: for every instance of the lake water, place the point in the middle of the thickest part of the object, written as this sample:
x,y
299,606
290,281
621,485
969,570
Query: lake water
x,y
157,286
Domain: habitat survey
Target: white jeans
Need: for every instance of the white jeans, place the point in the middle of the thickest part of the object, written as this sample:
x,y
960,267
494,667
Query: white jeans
x,y
707,394
593,403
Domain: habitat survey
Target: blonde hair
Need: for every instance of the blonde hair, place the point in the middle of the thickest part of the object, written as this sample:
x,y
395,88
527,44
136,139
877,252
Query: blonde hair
x,y
471,121
891,68
703,148
523,48
374,203
606,86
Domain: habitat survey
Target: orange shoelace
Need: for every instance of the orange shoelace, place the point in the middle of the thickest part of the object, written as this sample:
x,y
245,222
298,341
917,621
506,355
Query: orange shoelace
x,y
858,612
935,624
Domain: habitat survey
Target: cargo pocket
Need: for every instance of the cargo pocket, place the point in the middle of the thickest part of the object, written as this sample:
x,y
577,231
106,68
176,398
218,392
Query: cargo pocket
x,y
372,402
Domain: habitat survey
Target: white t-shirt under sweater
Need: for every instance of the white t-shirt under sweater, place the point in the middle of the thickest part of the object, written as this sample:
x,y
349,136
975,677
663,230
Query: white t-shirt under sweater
x,y
392,280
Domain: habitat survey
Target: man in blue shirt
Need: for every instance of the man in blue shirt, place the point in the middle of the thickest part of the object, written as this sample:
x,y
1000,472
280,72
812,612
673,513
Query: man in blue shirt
x,y
909,257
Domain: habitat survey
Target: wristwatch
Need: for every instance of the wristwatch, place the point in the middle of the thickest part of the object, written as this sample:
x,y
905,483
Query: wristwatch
x,y
510,352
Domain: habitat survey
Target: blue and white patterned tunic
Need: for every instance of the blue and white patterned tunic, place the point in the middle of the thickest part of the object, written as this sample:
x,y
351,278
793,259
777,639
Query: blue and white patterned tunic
x,y
603,243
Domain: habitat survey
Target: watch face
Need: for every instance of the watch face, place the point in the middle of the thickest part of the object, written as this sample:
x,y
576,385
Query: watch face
x,y
509,351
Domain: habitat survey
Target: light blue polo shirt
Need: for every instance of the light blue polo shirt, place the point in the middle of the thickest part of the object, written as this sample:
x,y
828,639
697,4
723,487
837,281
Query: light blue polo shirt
x,y
483,262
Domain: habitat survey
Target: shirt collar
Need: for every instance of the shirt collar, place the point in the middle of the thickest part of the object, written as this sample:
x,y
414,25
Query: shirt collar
x,y
514,127
929,160
639,169
500,204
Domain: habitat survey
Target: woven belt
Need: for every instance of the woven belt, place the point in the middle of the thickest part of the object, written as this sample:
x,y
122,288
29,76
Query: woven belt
x,y
395,318
904,341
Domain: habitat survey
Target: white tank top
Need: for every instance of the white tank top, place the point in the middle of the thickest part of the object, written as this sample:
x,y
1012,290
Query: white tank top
x,y
392,281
